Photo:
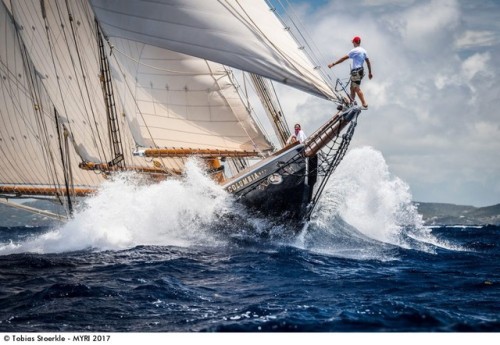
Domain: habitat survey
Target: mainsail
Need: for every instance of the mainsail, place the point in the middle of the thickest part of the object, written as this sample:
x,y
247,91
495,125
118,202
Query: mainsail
x,y
40,127
91,87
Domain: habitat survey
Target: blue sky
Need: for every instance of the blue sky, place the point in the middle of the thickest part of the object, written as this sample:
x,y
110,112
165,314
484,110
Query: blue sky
x,y
435,96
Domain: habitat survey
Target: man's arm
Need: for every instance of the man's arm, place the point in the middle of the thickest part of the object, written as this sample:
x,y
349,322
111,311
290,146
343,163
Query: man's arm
x,y
342,59
370,75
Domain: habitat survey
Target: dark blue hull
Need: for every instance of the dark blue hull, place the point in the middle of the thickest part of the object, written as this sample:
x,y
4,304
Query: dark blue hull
x,y
280,186
287,184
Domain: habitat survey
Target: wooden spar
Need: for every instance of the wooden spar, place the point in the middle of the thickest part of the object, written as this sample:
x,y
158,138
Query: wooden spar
x,y
204,153
33,190
328,132
158,174
106,167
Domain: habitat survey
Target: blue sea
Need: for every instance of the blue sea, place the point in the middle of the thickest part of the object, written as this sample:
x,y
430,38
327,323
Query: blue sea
x,y
182,256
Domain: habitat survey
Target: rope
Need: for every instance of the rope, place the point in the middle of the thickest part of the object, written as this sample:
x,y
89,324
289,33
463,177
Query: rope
x,y
87,91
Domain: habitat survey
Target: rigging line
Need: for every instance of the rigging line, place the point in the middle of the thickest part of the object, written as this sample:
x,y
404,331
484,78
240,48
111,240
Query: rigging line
x,y
138,109
15,156
244,94
300,28
87,91
274,112
234,110
43,128
138,61
20,89
321,60
280,107
249,106
115,138
56,36
39,117
29,69
313,52
7,161
9,89
251,24
10,97
134,98
251,109
47,31
98,143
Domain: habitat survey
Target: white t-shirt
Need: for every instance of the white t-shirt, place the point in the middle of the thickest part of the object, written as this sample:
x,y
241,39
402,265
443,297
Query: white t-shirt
x,y
301,136
358,56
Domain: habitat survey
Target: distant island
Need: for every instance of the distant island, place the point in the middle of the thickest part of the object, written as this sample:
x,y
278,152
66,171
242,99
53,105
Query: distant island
x,y
450,214
438,214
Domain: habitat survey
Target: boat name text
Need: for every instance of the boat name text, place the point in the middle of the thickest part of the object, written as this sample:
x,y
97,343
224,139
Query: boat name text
x,y
236,186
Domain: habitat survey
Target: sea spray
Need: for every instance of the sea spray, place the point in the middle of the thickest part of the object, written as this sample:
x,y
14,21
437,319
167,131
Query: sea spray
x,y
371,199
365,200
127,211
364,213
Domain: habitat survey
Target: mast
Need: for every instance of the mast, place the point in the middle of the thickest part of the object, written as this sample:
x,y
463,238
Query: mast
x,y
272,107
109,99
65,163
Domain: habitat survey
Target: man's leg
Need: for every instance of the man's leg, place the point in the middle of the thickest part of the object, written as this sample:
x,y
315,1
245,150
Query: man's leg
x,y
353,92
361,96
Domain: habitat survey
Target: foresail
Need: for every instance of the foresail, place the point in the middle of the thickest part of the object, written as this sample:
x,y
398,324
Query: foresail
x,y
179,101
245,35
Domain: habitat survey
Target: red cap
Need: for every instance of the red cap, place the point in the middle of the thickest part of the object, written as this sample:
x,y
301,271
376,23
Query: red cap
x,y
356,39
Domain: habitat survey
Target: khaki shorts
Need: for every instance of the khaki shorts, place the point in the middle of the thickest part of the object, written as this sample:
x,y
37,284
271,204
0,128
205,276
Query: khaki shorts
x,y
356,76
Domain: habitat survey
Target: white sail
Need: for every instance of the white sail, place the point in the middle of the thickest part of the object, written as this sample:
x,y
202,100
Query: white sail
x,y
51,65
29,140
246,35
176,100
77,106
68,70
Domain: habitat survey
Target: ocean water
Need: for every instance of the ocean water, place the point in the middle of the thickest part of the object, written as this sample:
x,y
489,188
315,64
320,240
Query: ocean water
x,y
182,256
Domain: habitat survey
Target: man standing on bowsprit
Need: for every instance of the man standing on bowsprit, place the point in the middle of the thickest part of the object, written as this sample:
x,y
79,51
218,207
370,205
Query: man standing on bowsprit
x,y
358,56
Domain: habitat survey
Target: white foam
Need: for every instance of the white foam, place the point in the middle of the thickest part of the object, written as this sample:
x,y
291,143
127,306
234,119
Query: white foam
x,y
365,195
364,211
126,212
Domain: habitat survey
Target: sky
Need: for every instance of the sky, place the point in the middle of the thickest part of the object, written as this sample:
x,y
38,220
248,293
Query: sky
x,y
434,98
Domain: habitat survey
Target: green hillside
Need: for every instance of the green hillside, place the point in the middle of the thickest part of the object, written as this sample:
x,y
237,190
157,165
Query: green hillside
x,y
450,214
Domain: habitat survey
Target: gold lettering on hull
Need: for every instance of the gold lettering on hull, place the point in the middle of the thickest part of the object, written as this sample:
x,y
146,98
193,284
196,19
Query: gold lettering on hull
x,y
245,181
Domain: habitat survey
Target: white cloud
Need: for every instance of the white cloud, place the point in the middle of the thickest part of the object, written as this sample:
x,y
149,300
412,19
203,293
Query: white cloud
x,y
425,26
476,64
473,39
433,103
